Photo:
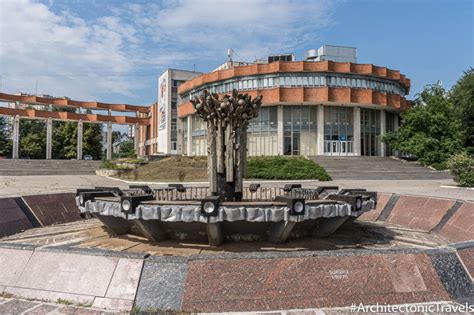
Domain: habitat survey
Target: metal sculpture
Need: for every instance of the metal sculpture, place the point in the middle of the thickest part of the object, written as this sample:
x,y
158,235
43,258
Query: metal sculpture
x,y
227,121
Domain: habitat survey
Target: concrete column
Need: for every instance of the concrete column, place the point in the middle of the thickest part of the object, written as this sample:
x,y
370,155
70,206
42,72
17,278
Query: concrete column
x,y
49,138
320,127
356,147
189,142
280,231
214,233
396,122
136,139
280,135
16,137
383,128
79,139
326,226
109,141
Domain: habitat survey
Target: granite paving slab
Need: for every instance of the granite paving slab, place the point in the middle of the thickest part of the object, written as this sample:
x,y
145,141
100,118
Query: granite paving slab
x,y
68,273
12,218
298,283
161,285
42,309
12,263
460,227
467,258
419,213
125,279
372,215
452,274
16,306
54,208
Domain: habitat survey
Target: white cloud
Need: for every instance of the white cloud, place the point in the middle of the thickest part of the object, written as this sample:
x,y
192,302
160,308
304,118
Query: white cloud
x,y
67,53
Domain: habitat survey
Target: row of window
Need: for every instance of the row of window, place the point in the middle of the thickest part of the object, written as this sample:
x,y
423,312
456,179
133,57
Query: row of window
x,y
303,80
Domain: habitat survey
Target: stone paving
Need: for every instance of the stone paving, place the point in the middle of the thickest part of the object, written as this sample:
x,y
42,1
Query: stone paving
x,y
12,186
14,306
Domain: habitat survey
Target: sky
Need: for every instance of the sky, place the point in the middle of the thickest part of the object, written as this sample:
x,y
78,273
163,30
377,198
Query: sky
x,y
113,51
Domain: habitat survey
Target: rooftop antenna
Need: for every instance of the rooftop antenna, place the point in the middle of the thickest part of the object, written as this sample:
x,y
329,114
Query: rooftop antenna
x,y
230,53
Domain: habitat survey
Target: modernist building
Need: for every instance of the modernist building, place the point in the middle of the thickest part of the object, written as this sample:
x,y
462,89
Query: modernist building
x,y
325,105
160,137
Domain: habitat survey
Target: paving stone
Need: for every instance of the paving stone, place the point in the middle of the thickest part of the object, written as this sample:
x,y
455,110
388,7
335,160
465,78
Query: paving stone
x,y
161,286
452,274
125,280
419,213
16,306
113,304
42,309
50,295
12,218
12,263
54,208
467,258
460,227
68,273
372,215
315,282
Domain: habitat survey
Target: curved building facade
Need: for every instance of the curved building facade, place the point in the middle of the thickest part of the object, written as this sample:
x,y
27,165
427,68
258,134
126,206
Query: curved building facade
x,y
309,107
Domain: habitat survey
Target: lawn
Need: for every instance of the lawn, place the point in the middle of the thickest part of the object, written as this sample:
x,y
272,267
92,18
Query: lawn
x,y
186,169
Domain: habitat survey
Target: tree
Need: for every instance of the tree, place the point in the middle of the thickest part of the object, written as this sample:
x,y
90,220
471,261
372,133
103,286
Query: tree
x,y
462,96
32,139
92,137
5,141
127,148
430,129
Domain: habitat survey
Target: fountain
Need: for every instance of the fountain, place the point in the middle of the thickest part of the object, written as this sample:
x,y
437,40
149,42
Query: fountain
x,y
225,210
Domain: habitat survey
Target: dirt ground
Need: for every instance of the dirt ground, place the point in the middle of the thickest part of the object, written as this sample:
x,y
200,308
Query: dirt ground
x,y
172,169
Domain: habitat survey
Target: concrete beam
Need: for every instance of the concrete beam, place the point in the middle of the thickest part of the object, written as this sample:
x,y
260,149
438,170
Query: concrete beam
x,y
79,139
320,127
49,138
280,231
356,147
109,141
16,137
215,234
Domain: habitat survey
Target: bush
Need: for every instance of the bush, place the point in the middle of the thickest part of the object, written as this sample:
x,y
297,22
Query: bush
x,y
462,169
281,168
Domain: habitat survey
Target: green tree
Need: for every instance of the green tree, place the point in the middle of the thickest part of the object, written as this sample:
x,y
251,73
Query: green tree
x,y
462,96
92,137
430,129
5,141
32,139
127,148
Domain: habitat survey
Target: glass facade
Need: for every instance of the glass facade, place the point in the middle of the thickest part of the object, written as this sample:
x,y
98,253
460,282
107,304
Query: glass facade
x,y
199,133
338,130
262,133
300,80
300,131
370,132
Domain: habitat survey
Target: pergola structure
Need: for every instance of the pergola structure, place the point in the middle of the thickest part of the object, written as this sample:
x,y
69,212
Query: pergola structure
x,y
79,115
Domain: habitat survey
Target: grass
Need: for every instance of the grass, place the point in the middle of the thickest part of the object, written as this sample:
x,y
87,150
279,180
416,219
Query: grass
x,y
285,168
185,169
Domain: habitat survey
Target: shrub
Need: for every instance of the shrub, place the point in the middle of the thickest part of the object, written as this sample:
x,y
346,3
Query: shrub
x,y
281,168
462,169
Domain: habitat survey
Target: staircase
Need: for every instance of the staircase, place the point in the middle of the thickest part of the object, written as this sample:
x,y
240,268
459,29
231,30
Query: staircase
x,y
47,167
376,168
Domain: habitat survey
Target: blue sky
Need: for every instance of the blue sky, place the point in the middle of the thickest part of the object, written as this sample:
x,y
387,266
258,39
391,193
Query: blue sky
x,y
113,51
